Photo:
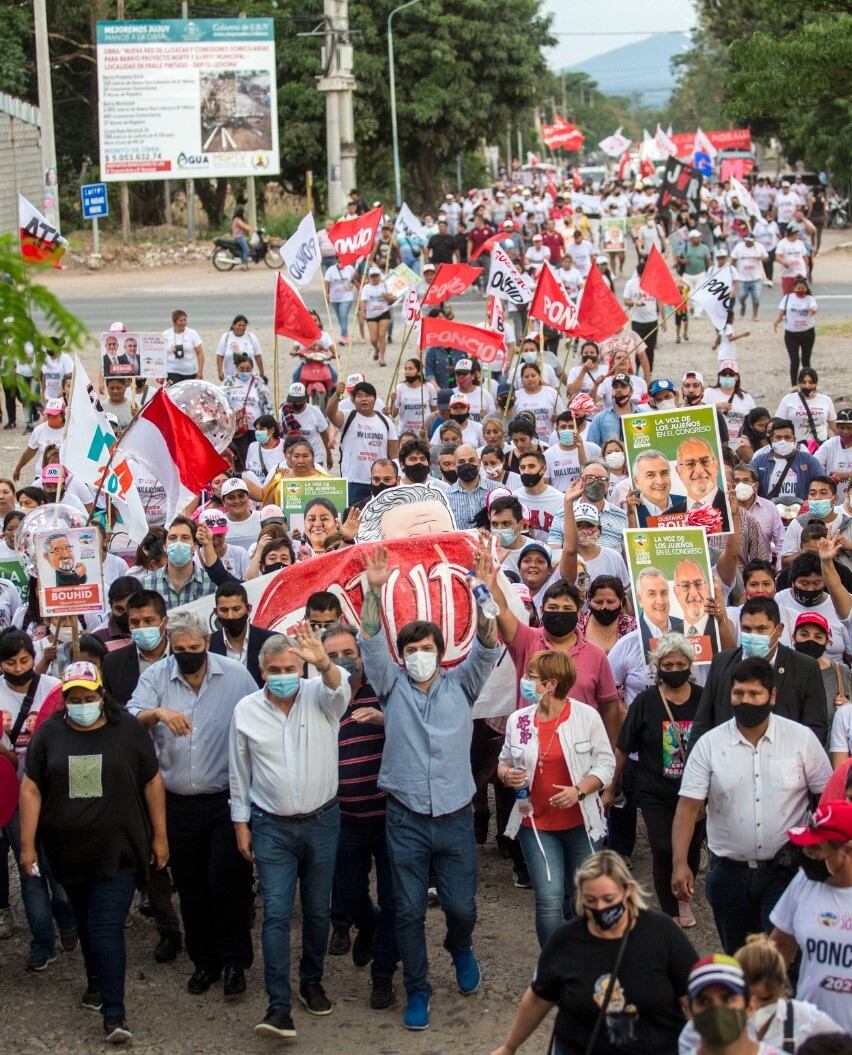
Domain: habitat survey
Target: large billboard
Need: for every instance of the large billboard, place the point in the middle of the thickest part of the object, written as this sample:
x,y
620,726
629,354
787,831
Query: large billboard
x,y
180,99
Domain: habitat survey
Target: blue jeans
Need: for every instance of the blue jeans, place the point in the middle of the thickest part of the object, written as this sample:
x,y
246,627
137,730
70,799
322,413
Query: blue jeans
x,y
361,843
742,898
101,908
44,899
417,842
750,289
554,898
342,310
242,242
285,851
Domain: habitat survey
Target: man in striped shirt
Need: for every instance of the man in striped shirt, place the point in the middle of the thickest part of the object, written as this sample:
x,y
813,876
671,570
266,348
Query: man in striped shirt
x,y
361,739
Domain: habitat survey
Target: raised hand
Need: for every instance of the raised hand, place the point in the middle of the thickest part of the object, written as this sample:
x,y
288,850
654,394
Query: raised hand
x,y
483,565
349,527
828,548
309,647
574,493
378,567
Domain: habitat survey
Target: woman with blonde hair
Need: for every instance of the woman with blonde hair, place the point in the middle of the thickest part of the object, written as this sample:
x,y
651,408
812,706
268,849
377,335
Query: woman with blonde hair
x,y
618,971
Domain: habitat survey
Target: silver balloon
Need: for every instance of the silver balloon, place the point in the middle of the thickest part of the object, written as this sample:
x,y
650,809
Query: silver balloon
x,y
208,407
43,518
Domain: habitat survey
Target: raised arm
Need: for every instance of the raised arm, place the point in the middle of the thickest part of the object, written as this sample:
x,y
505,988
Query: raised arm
x,y
378,571
568,560
840,596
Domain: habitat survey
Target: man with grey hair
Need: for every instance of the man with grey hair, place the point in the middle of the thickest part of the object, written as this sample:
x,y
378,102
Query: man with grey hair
x,y
653,601
401,512
652,475
283,761
186,699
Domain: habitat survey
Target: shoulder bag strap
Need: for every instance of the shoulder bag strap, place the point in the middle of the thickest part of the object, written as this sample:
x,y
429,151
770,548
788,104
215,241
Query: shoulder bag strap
x,y
26,707
789,1030
811,422
590,1047
776,490
681,750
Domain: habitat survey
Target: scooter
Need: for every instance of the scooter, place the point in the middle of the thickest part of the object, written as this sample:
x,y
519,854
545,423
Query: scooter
x,y
227,253
316,376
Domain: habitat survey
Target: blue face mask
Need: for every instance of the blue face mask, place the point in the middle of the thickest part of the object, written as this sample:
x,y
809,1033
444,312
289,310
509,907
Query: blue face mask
x,y
261,435
820,507
147,637
84,713
566,436
507,536
727,382
179,553
754,644
528,690
283,685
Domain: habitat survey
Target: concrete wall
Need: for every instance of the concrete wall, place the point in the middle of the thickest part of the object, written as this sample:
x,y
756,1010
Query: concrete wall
x,y
20,160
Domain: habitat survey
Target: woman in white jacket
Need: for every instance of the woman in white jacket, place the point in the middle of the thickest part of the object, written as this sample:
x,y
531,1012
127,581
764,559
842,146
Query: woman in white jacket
x,y
557,757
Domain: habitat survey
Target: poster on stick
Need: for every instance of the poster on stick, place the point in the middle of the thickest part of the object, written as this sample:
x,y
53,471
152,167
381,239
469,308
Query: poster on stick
x,y
128,355
69,571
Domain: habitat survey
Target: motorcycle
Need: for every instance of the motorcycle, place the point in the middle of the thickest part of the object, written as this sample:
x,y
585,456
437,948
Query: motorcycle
x,y
227,254
316,375
838,211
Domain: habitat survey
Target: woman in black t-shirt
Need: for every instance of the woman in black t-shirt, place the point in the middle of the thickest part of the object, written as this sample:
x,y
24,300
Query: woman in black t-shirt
x,y
643,1013
658,727
93,794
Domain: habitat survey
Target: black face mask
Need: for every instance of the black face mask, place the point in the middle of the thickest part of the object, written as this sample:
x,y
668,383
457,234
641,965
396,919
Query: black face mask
x,y
607,918
450,475
122,622
594,490
559,624
674,678
233,627
750,715
467,473
808,598
605,616
620,401
810,648
376,489
273,567
416,473
190,662
815,870
530,479
460,418
19,679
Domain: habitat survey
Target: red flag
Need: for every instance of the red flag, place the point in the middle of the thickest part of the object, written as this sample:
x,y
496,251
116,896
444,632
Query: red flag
x,y
353,239
599,315
657,281
474,341
485,247
450,280
291,318
550,302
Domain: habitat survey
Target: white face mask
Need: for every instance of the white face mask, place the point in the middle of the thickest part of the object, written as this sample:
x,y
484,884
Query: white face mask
x,y
783,448
492,471
764,1014
743,492
615,459
421,665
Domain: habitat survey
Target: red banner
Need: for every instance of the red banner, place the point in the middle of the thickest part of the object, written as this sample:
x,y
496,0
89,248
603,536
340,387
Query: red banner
x,y
450,280
550,303
562,134
353,239
475,341
727,139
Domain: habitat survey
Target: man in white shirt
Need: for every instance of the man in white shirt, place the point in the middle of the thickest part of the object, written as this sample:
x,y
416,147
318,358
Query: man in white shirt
x,y
755,771
479,399
786,203
748,257
581,252
283,779
365,436
543,502
536,256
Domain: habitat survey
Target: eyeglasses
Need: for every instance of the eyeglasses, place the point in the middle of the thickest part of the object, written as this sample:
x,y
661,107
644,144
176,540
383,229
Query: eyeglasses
x,y
694,584
690,463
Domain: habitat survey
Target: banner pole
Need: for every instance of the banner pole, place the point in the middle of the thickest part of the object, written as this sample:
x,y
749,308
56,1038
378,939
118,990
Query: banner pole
x,y
355,304
515,367
276,383
405,336
330,324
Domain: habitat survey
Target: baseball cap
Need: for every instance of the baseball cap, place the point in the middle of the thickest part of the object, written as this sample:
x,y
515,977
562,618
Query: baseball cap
x,y
272,515
428,267
113,420
601,260
523,592
352,380
498,492
720,253
845,416
50,474
662,384
118,327
694,374
230,486
374,271
215,519
731,364
448,197
694,234
622,379
785,183
508,223
716,970
459,401
830,823
86,675
297,391
585,512
536,547
536,238
54,406
816,618
444,397
465,365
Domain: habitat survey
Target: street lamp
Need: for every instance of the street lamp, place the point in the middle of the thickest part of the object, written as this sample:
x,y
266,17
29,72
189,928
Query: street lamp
x,y
396,177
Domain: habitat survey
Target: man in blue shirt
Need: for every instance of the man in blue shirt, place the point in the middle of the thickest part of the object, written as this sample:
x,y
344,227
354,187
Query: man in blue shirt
x,y
607,424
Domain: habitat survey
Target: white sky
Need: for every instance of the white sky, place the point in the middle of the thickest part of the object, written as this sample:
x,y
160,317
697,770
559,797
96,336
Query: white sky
x,y
628,15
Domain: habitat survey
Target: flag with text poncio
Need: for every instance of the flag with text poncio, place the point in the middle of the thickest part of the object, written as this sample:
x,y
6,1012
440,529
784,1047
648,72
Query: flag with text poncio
x,y
408,226
550,303
450,280
291,318
615,145
354,239
715,295
599,315
475,341
41,243
657,281
504,279
301,251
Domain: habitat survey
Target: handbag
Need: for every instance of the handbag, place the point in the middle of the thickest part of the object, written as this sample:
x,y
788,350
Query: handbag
x,y
241,416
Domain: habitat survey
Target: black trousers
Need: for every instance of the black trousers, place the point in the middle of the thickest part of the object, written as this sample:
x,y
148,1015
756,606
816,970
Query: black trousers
x,y
658,823
485,747
160,895
648,332
213,880
621,835
799,343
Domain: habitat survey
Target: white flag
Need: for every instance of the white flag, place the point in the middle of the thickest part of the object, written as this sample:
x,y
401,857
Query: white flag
x,y
408,226
615,145
301,252
411,312
715,295
702,145
85,453
664,143
648,149
504,279
746,200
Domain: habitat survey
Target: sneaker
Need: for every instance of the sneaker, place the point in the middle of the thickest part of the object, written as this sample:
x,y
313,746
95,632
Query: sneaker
x,y
382,995
416,1014
69,940
7,923
522,878
362,948
167,948
37,962
432,897
116,1031
275,1023
339,943
92,999
468,975
313,997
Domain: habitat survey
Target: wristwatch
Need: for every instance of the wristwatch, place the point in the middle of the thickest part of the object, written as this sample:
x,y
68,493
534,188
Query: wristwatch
x,y
580,795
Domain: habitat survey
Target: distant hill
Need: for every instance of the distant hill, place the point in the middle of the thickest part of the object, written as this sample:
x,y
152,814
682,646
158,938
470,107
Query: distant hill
x,y
643,68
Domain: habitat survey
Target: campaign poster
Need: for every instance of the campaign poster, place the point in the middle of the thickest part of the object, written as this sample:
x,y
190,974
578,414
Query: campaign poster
x,y
13,572
69,571
612,233
187,98
128,355
294,496
672,582
674,458
398,280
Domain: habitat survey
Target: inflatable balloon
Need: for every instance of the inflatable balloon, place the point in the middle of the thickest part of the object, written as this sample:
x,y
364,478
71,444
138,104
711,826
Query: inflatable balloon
x,y
208,407
43,518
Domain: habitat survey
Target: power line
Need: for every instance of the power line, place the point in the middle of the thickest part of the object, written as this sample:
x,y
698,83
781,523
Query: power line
x,y
625,33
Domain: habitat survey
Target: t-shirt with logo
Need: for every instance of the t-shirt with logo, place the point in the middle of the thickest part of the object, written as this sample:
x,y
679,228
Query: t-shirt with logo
x,y
53,370
10,708
563,466
545,404
819,916
230,346
366,441
792,408
188,341
798,311
749,261
312,422
152,493
340,287
414,405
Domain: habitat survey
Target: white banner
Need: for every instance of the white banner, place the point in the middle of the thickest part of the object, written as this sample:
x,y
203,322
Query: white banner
x,y
615,145
664,143
505,281
715,295
408,226
411,312
702,145
746,200
301,251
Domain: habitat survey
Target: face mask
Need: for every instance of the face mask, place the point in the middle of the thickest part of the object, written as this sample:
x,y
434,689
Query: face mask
x,y
190,662
530,479
179,553
783,448
820,507
416,473
261,435
529,357
19,679
528,690
814,649
493,472
664,404
817,871
283,685
421,665
351,664
605,616
559,624
720,1026
460,418
594,490
607,918
566,436
807,598
754,644
450,475
376,489
467,473
743,492
750,715
272,567
146,637
122,622
615,459
727,382
764,1015
621,400
234,627
674,678
84,713
506,536
243,377
808,392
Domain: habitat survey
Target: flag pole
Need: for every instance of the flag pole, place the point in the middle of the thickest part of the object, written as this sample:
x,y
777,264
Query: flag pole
x,y
355,303
330,325
515,367
405,336
276,383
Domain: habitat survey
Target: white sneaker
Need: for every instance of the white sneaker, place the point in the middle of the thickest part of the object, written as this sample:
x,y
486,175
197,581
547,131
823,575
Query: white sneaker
x,y
7,923
432,897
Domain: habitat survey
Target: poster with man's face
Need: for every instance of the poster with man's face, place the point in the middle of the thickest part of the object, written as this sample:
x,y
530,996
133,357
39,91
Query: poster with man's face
x,y
129,355
672,584
69,571
674,458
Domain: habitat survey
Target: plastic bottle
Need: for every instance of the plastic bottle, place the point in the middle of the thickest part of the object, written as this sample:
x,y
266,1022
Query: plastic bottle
x,y
482,595
522,795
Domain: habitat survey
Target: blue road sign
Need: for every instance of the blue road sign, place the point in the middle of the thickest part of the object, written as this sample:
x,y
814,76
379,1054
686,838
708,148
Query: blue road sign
x,y
94,198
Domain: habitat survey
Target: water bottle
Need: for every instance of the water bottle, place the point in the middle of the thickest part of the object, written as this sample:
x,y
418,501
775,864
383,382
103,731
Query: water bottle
x,y
522,795
482,596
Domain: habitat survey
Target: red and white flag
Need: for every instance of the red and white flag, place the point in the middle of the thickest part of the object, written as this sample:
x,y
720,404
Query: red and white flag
x,y
664,143
485,247
504,279
702,144
176,451
475,341
291,318
550,303
411,312
450,280
615,145
353,239
41,243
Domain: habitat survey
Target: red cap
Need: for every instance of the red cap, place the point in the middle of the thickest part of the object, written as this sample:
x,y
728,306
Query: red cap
x,y
830,823
813,617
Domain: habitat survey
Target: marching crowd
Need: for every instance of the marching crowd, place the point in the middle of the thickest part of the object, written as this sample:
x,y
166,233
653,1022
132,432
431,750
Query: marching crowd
x,y
156,755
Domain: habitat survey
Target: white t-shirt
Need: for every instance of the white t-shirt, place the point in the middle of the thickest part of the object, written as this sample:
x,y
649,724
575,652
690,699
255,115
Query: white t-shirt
x,y
543,509
260,461
414,405
53,370
821,408
10,708
607,562
797,312
190,340
366,441
819,916
374,299
549,377
243,532
766,232
646,309
235,560
788,487
230,346
571,280
481,402
581,255
42,437
795,257
786,203
251,396
740,406
640,389
563,466
841,730
544,404
340,284
835,458
346,406
152,493
749,260
10,602
587,384
312,422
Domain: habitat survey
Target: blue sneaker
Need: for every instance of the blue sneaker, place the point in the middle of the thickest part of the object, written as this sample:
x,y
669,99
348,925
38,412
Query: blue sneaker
x,y
468,975
416,1011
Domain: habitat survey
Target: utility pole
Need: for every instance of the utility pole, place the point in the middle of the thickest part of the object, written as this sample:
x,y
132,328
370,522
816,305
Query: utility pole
x,y
123,188
338,83
190,183
251,190
397,181
508,149
50,180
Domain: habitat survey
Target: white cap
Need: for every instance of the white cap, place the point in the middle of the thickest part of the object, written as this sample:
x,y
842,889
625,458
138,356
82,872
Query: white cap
x,y
54,406
459,401
272,514
297,391
118,327
586,512
464,364
374,271
693,374
536,238
234,484
352,380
